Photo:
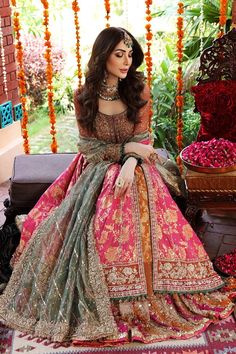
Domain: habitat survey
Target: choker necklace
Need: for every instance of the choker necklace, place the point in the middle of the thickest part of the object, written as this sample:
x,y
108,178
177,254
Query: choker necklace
x,y
109,93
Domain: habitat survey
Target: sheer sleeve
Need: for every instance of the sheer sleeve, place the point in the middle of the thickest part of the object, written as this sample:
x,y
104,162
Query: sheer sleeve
x,y
144,112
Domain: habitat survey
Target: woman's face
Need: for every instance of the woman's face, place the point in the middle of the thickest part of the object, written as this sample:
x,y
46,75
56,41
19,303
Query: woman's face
x,y
119,62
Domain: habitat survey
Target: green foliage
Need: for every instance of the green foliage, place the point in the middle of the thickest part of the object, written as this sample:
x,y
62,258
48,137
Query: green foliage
x,y
63,96
35,67
31,14
191,120
164,110
197,30
63,100
164,89
194,28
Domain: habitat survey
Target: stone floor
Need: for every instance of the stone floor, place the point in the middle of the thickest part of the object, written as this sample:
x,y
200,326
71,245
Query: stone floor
x,y
217,232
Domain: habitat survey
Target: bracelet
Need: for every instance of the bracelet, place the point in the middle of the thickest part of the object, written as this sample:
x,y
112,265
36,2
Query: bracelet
x,y
122,152
137,157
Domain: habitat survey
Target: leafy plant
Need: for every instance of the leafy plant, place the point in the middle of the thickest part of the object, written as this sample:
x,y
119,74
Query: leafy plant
x,y
35,67
195,27
63,94
164,93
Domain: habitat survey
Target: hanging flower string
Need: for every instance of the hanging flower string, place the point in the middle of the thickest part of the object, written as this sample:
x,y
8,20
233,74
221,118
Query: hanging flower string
x,y
76,10
148,36
21,78
49,75
179,77
3,60
108,10
234,14
223,17
148,56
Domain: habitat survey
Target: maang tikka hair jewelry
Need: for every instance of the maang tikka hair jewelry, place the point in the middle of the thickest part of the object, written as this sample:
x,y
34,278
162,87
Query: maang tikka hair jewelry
x,y
127,40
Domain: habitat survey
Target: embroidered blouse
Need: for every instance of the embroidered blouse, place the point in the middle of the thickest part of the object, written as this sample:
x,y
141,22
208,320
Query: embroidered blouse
x,y
115,129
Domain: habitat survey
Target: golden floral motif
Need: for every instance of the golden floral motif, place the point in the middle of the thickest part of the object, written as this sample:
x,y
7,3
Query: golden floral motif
x,y
159,232
201,252
171,215
104,237
122,275
57,192
182,252
125,234
112,254
187,231
189,270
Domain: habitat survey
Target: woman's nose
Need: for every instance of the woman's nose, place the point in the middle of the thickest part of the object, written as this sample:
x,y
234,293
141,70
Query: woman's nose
x,y
126,60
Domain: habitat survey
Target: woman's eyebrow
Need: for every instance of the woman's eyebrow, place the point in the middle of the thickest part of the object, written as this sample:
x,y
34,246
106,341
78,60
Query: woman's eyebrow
x,y
122,50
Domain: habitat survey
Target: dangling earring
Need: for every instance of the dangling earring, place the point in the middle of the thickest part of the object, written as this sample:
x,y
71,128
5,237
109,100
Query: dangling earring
x,y
105,77
119,79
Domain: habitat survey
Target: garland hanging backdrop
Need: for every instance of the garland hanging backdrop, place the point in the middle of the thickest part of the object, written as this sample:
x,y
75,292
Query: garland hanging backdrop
x,y
179,77
108,10
222,17
49,64
21,77
148,56
148,59
76,9
49,74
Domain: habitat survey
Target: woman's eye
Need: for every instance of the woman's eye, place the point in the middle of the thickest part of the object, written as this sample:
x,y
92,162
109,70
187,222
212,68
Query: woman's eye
x,y
119,55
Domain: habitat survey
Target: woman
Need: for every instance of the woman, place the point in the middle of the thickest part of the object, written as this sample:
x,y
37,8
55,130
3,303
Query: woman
x,y
111,257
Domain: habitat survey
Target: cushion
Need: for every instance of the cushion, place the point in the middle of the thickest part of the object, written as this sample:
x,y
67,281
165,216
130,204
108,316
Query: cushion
x,y
216,103
32,175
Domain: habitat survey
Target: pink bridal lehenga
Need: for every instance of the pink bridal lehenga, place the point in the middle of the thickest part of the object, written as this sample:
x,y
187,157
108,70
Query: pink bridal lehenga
x,y
108,270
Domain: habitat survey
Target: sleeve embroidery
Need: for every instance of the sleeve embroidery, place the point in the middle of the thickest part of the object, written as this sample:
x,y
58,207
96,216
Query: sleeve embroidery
x,y
82,130
144,113
113,152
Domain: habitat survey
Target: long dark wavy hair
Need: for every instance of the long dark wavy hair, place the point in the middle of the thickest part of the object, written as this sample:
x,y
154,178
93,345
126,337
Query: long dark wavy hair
x,y
129,88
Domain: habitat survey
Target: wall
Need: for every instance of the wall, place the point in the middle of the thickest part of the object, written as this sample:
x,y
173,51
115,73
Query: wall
x,y
10,136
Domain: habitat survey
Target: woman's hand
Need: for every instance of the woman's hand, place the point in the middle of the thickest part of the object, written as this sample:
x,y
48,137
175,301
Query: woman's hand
x,y
125,178
146,152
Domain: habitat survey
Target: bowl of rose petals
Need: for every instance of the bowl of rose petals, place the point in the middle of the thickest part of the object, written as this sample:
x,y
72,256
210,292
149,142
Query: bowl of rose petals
x,y
212,156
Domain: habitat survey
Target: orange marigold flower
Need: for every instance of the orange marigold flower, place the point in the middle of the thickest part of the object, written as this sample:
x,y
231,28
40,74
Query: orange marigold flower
x,y
149,36
75,6
45,3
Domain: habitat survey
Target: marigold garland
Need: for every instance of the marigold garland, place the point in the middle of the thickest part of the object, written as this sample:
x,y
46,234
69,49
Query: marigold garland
x,y
49,75
108,10
223,17
148,56
179,78
76,9
2,54
234,14
21,78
